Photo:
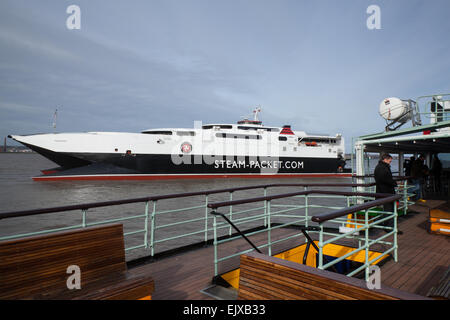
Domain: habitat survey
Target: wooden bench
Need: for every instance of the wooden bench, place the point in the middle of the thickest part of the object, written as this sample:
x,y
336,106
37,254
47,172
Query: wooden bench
x,y
36,267
263,277
439,219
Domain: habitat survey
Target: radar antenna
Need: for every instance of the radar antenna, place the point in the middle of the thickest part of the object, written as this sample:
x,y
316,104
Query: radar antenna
x,y
55,118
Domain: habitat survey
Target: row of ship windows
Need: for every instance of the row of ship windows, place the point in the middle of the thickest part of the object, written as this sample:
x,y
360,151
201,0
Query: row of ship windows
x,y
295,149
307,141
241,128
192,133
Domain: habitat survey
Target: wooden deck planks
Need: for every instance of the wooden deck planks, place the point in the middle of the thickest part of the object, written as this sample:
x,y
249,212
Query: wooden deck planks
x,y
421,256
184,275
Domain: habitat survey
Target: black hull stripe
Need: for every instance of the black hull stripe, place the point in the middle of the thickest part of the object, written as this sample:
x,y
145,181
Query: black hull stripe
x,y
166,164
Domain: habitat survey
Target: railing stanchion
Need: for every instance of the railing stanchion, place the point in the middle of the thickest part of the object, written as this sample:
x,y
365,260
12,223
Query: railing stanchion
x,y
265,207
269,238
405,196
306,210
206,219
320,266
216,273
366,236
146,226
395,232
231,212
152,230
83,218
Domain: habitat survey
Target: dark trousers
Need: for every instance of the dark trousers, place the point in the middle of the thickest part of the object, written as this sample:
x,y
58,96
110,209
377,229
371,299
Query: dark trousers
x,y
389,207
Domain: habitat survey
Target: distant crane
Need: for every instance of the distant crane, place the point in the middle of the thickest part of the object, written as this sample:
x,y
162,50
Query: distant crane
x,y
55,118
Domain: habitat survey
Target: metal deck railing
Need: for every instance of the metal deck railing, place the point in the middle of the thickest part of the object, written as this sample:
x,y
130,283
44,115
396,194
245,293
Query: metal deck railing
x,y
150,230
302,217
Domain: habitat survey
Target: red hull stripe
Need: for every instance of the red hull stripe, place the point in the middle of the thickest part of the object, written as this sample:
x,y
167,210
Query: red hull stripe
x,y
188,176
49,171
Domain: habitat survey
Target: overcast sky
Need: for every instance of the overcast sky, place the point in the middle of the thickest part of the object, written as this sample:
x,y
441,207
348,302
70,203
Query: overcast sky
x,y
135,65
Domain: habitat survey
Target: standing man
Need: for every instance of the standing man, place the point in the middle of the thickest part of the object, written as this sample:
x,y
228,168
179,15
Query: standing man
x,y
418,173
436,170
407,165
385,184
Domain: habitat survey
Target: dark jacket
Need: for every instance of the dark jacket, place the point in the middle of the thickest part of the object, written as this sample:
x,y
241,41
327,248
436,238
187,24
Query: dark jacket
x,y
383,178
418,169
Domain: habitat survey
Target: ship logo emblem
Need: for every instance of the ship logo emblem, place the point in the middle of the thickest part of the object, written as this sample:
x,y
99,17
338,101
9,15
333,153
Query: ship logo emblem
x,y
186,147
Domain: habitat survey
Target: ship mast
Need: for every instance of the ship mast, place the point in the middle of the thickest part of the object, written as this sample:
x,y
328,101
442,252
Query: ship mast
x,y
255,118
55,118
256,111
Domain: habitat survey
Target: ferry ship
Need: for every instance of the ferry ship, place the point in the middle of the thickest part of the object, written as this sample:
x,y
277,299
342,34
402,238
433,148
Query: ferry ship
x,y
245,149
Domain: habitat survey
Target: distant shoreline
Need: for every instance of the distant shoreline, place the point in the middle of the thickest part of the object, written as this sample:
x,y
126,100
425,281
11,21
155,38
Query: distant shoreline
x,y
16,149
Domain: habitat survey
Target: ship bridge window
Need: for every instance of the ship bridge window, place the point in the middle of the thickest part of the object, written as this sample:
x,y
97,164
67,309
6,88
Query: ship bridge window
x,y
238,136
167,133
282,138
185,133
220,126
317,140
257,128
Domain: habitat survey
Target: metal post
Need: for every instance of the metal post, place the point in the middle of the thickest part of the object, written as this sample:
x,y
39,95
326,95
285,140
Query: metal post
x,y
405,197
269,240
321,247
146,226
215,246
359,149
306,210
401,159
366,236
395,232
206,218
152,230
231,211
265,207
83,219
368,163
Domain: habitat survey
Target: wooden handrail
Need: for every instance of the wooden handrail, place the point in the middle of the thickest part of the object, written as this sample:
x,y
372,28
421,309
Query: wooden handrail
x,y
367,205
292,194
86,206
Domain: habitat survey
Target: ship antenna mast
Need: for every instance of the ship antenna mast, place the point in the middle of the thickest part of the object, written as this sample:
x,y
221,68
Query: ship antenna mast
x,y
256,111
55,118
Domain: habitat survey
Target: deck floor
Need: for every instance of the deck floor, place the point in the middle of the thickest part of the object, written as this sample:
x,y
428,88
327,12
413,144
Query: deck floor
x,y
184,275
422,260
